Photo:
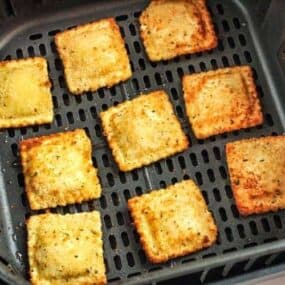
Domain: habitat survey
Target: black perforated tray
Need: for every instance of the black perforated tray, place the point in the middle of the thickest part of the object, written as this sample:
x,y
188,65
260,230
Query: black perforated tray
x,y
242,241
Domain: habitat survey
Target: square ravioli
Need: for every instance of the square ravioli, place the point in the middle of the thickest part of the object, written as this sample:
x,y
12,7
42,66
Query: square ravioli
x,y
93,56
173,222
66,249
58,169
257,173
170,28
23,104
143,130
221,101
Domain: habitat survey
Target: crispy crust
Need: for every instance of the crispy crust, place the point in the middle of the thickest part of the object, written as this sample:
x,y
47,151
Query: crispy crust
x,y
58,169
173,222
221,101
64,252
15,93
257,168
171,28
93,56
143,130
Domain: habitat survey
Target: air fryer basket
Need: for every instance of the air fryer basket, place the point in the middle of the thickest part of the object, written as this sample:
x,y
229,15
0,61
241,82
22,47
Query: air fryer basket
x,y
245,37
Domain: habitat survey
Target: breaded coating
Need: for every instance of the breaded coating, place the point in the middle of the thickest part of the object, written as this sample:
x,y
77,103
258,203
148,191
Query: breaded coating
x,y
221,101
173,222
170,28
66,249
25,97
93,56
58,169
143,130
257,173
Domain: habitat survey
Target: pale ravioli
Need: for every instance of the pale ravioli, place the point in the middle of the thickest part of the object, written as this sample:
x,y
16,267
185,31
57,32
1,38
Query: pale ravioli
x,y
221,101
143,130
66,249
58,169
257,173
174,27
173,222
93,56
25,97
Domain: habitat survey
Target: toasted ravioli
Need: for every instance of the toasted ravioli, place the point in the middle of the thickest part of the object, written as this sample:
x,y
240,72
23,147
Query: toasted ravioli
x,y
257,173
58,169
221,101
173,222
25,97
66,249
93,56
143,130
174,27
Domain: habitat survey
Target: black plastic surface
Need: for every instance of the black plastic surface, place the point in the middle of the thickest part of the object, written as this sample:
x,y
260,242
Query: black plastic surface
x,y
240,239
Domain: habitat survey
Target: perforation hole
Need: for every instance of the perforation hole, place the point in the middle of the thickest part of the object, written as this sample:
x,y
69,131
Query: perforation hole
x,y
181,162
158,78
53,47
138,190
61,81
235,211
221,45
142,256
162,184
132,29
53,32
58,120
107,221
236,23
217,194
229,234
193,159
223,172
82,116
220,9
265,225
241,231
35,37
226,26
225,61
199,178
228,191
137,47
180,72
247,56
70,118
135,84
242,40
127,194
78,99
236,59
112,241
122,177
142,63
24,200
253,227
31,51
122,18
19,53
158,168
14,148
118,262
179,111
130,259
120,218
169,76
205,156
98,131
57,64
231,42
214,64
211,175
277,221
223,214
217,153
115,199
42,49
174,93
146,81
269,120
103,202
110,179
202,66
125,239
89,96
